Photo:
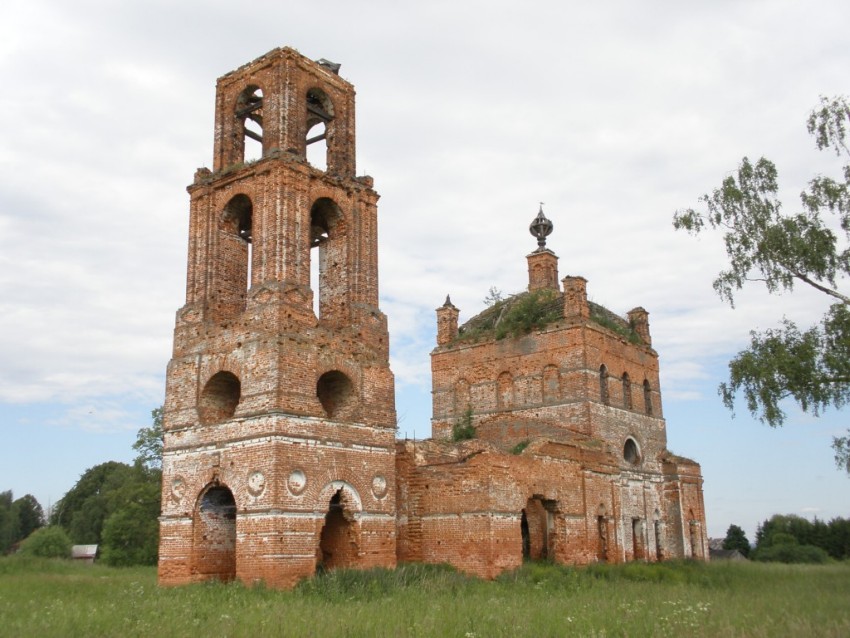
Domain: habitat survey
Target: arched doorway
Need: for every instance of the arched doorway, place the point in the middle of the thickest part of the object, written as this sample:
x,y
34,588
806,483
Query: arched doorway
x,y
536,523
338,546
602,534
638,543
214,538
659,546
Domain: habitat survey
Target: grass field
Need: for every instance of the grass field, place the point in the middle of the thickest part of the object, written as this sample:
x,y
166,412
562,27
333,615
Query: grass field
x,y
46,598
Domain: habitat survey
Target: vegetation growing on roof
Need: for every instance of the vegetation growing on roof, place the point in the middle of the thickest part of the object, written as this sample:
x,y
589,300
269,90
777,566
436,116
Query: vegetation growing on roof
x,y
515,316
520,314
607,319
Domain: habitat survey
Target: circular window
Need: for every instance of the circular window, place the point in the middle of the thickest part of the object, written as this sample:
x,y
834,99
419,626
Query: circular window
x,y
631,452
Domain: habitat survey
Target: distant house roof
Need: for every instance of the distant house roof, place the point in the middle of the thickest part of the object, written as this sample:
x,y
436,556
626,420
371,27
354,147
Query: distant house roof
x,y
84,552
716,543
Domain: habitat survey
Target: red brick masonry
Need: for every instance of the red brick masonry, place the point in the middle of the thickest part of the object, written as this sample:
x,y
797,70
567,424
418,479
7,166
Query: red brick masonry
x,y
280,453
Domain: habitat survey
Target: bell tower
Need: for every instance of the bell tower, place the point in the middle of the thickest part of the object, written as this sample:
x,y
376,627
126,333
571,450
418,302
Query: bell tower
x,y
280,413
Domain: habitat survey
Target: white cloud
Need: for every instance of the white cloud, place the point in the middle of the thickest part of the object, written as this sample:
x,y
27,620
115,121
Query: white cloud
x,y
614,115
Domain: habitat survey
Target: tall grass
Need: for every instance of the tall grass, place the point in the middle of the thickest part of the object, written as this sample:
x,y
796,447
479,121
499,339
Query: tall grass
x,y
50,598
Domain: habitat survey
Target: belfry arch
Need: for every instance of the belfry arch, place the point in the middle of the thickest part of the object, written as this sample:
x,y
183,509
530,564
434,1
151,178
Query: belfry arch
x,y
320,115
328,259
249,115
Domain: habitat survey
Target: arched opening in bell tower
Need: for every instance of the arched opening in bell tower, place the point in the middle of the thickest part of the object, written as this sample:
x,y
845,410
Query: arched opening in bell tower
x,y
219,398
320,112
238,217
335,392
326,256
249,112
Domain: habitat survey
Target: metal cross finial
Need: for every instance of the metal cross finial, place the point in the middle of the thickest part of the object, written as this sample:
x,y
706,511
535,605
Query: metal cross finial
x,y
541,228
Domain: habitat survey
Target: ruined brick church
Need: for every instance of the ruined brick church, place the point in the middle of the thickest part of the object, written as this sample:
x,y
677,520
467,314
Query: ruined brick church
x,y
280,452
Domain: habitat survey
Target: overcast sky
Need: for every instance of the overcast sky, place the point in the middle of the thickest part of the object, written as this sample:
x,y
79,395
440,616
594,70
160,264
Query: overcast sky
x,y
468,115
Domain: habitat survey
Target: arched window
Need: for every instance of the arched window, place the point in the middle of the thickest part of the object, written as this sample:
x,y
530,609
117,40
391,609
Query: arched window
x,y
219,398
327,258
551,385
631,451
627,391
335,392
638,545
647,397
320,112
659,545
695,535
238,220
602,533
603,384
249,111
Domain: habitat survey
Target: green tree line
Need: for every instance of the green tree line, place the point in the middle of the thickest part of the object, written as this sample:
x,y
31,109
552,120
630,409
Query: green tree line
x,y
116,505
789,538
113,505
18,519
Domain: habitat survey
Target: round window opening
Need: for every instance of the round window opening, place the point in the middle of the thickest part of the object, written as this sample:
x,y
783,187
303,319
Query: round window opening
x,y
631,452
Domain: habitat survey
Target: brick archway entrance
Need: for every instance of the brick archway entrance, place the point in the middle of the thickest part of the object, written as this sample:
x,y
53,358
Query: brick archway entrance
x,y
536,528
338,545
214,538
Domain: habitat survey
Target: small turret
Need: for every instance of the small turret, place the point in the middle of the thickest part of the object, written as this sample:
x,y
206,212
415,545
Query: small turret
x,y
447,316
575,298
639,318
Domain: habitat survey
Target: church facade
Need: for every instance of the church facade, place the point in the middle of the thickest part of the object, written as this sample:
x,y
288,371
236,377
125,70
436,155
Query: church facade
x,y
280,451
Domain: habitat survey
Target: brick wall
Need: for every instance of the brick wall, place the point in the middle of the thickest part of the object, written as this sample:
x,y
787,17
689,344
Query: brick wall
x,y
280,456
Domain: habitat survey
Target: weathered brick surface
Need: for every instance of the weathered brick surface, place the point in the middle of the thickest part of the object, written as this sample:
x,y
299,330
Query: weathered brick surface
x,y
280,455
595,481
284,414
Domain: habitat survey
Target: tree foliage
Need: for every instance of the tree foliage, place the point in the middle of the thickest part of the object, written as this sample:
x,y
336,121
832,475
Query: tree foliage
x,y
29,514
494,296
18,519
833,538
115,506
83,509
736,539
48,542
8,524
149,442
780,250
131,532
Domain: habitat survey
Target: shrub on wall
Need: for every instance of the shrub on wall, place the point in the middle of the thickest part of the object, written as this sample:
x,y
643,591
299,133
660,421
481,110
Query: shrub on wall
x,y
463,430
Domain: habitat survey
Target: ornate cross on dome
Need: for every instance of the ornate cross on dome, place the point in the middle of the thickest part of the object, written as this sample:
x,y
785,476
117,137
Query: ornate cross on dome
x,y
541,228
